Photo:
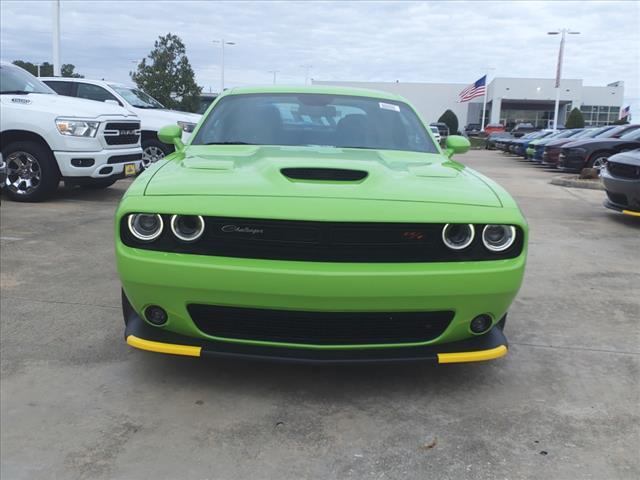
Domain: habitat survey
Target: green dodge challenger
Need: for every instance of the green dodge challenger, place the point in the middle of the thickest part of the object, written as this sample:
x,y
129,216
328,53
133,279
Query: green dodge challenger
x,y
317,224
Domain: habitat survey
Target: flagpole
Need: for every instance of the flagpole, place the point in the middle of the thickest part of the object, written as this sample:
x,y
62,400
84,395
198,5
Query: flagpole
x,y
484,101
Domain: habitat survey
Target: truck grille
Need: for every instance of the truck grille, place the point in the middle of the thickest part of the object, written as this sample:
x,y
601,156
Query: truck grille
x,y
623,170
122,133
319,328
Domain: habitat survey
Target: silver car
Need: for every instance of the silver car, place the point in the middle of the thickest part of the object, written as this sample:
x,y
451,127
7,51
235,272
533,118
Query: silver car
x,y
621,179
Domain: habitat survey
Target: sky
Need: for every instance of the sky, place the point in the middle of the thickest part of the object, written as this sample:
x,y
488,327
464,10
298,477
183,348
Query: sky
x,y
435,41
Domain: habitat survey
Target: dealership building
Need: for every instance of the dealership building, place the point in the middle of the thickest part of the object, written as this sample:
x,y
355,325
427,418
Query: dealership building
x,y
509,100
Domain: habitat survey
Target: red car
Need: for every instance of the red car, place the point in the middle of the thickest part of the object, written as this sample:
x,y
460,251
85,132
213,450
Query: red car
x,y
493,128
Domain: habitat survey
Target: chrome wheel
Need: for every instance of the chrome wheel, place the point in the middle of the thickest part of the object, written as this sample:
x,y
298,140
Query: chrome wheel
x,y
23,173
600,162
151,154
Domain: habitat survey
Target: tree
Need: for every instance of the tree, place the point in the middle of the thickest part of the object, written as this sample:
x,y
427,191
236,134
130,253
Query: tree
x,y
451,120
166,75
621,121
575,119
46,69
68,70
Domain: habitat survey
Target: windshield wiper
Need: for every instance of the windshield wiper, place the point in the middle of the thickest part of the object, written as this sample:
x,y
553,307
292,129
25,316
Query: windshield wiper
x,y
14,92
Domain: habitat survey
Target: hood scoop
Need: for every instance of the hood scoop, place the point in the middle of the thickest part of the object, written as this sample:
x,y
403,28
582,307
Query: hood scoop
x,y
324,174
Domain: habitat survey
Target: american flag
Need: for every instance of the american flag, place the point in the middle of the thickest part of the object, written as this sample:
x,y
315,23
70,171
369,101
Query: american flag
x,y
474,90
624,112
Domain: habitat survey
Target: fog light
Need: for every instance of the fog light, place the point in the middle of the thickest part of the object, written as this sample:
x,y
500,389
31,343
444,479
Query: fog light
x,y
481,323
155,315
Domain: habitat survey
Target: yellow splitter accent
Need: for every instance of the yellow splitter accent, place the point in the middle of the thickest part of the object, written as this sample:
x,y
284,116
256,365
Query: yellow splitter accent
x,y
161,347
631,212
479,356
191,351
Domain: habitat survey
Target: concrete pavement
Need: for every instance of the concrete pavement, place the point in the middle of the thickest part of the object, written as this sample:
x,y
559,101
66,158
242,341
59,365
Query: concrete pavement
x,y
78,403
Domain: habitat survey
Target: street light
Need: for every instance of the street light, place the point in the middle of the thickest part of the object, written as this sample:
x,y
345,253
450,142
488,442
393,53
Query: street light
x,y
274,75
222,44
562,32
307,68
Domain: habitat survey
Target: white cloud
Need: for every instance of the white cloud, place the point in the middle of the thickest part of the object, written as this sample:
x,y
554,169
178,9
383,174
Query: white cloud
x,y
406,41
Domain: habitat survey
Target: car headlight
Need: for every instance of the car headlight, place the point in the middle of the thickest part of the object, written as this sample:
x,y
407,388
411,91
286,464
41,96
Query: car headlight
x,y
187,228
77,128
146,227
498,238
187,127
458,236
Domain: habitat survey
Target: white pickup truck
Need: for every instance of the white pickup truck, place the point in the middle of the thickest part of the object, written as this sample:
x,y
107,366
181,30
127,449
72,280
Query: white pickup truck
x,y
46,137
152,114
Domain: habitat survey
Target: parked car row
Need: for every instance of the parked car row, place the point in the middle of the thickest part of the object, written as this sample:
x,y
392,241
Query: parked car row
x,y
91,140
570,150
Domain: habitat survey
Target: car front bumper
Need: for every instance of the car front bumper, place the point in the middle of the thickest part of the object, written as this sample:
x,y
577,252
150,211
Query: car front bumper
x,y
572,162
173,281
104,163
623,193
141,335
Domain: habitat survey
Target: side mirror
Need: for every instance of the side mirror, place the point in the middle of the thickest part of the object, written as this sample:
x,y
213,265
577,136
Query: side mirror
x,y
171,134
456,144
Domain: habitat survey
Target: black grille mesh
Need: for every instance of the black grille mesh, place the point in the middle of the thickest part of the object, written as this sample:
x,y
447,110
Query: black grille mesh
x,y
321,328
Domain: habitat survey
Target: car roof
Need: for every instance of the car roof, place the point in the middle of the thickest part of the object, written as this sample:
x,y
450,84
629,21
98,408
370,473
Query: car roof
x,y
87,80
320,89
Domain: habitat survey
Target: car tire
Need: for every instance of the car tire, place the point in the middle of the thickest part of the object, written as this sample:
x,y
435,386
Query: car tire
x,y
598,160
152,151
100,183
32,172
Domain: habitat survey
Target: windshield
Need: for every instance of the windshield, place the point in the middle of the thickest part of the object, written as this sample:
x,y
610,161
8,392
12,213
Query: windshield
x,y
137,98
16,80
314,120
606,132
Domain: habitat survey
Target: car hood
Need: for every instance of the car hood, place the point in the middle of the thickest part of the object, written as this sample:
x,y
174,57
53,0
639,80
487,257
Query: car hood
x,y
64,106
589,142
161,117
632,157
249,170
559,142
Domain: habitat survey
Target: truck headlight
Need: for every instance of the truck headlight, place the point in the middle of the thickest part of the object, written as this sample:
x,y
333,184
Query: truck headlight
x,y
187,127
77,128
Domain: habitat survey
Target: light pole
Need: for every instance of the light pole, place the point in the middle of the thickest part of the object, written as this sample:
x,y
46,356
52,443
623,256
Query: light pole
x,y
56,38
562,32
274,75
307,68
222,43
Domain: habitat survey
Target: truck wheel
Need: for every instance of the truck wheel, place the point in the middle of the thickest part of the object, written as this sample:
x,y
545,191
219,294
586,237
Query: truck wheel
x,y
100,183
32,174
152,151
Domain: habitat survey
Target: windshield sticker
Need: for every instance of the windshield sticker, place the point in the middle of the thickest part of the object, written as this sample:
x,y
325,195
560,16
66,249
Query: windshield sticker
x,y
389,106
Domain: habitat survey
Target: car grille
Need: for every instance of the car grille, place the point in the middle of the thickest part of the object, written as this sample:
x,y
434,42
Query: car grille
x,y
320,328
322,241
623,170
122,133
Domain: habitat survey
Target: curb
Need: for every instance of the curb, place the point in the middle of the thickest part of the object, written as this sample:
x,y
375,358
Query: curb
x,y
575,182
